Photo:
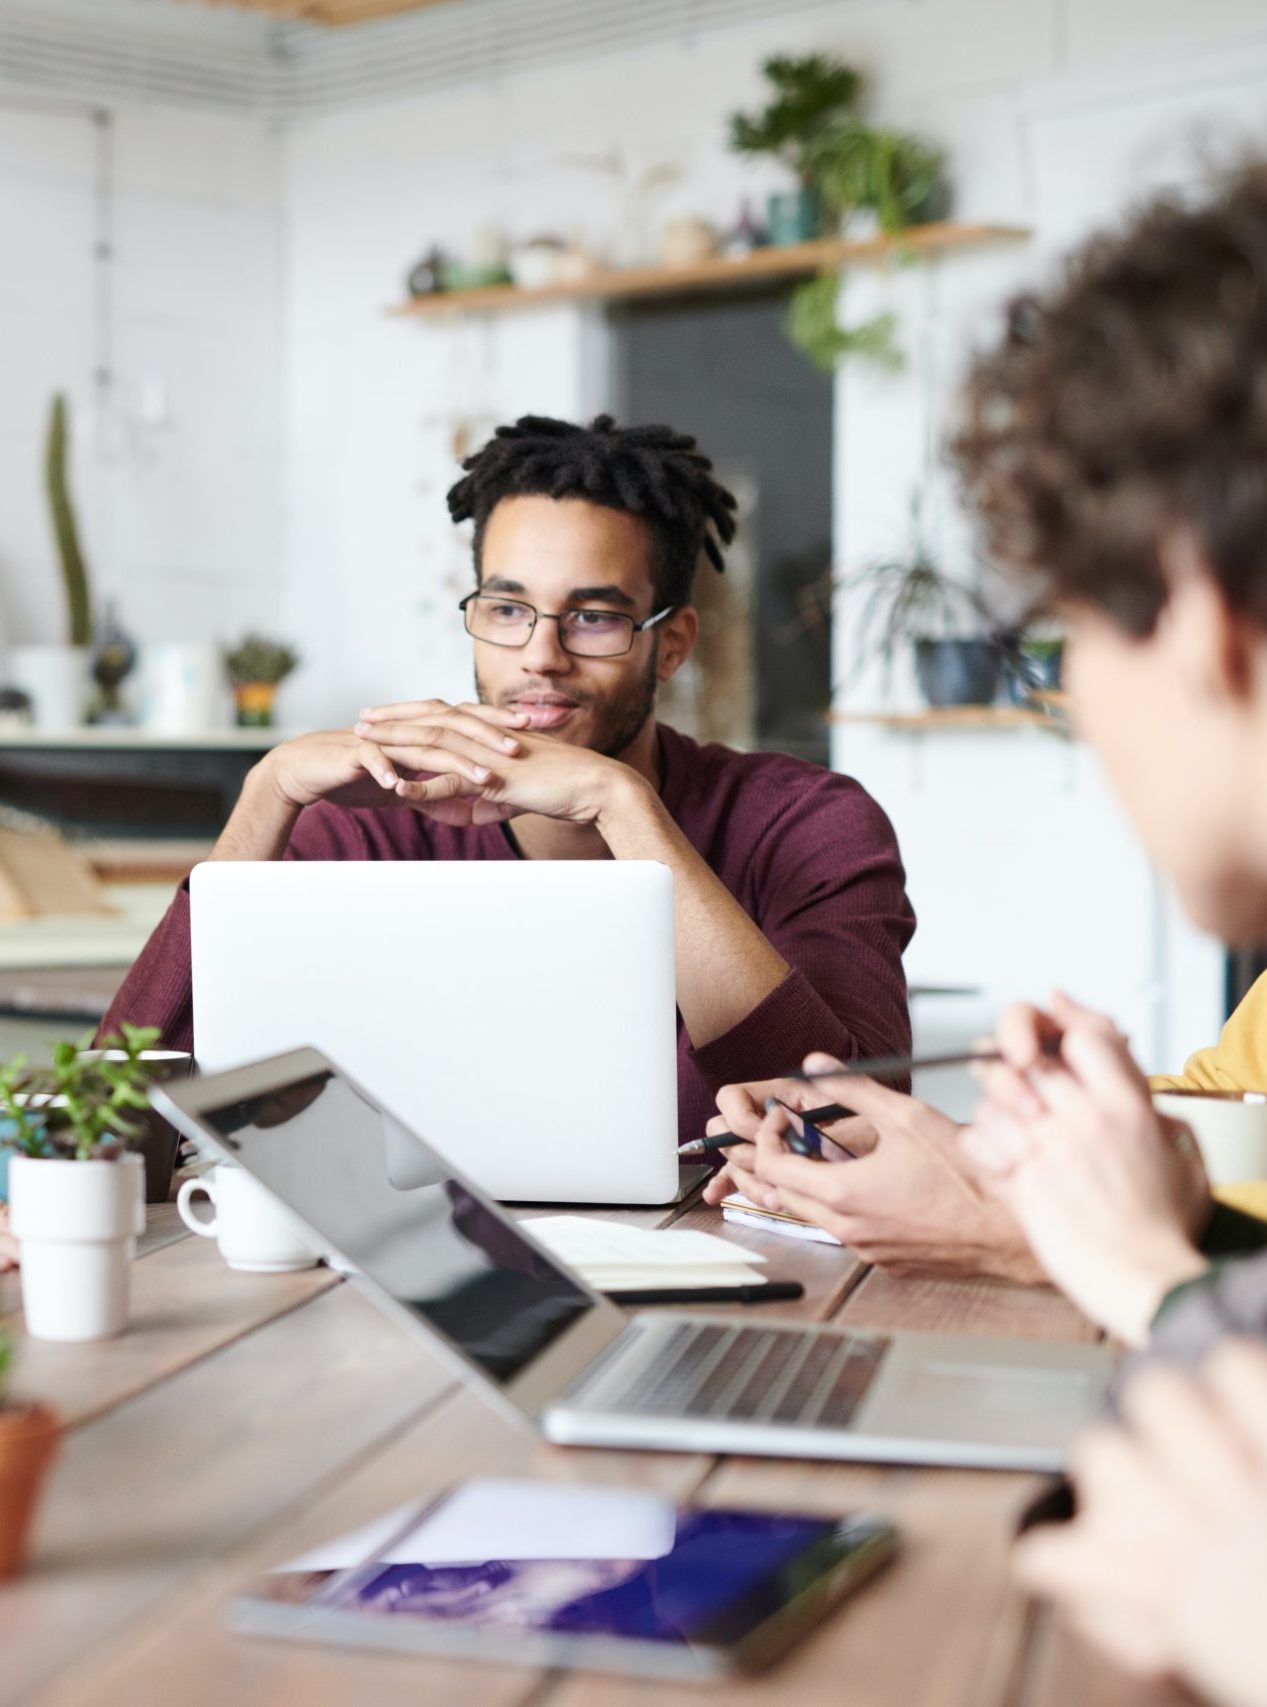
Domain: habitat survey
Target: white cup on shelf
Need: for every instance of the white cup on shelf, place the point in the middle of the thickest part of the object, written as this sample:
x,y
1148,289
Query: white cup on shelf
x,y
182,689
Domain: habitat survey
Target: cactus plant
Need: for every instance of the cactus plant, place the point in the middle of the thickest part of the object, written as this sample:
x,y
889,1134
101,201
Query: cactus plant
x,y
65,528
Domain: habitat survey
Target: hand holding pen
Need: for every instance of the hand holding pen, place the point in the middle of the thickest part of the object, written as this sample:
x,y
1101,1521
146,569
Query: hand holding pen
x,y
803,1136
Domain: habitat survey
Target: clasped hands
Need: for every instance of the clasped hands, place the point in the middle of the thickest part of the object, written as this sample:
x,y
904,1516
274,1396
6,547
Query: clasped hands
x,y
463,765
1066,1171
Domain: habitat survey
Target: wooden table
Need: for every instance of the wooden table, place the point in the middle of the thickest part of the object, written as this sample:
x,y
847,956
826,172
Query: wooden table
x,y
246,1417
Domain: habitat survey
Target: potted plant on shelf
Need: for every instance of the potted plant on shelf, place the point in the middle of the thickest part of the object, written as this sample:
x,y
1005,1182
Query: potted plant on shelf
x,y
889,178
809,93
949,623
56,677
850,171
256,666
1034,656
29,1436
76,1197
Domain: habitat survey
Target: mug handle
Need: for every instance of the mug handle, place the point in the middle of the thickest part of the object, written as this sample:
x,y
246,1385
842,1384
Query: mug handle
x,y
195,1222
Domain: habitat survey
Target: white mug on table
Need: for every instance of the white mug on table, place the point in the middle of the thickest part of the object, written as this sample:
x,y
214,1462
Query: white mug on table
x,y
255,1232
1230,1128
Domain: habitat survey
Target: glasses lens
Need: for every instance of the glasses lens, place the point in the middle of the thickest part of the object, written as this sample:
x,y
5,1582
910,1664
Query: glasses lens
x,y
596,633
505,622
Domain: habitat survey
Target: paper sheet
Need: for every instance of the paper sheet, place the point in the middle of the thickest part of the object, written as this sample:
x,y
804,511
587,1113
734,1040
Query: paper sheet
x,y
744,1213
500,1518
595,1246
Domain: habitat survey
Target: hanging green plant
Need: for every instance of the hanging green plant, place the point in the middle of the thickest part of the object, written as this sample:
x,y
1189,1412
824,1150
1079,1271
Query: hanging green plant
x,y
813,326
844,166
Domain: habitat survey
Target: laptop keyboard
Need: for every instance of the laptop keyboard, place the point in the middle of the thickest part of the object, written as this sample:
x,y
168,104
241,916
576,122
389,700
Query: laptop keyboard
x,y
753,1374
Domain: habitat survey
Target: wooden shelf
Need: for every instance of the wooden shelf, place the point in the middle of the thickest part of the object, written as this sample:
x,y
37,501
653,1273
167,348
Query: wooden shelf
x,y
229,739
719,274
954,717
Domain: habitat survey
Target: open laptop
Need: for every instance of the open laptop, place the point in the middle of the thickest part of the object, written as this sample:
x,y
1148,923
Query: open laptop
x,y
452,1267
526,1008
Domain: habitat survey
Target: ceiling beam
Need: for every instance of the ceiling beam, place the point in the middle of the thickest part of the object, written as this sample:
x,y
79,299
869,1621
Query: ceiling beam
x,y
329,12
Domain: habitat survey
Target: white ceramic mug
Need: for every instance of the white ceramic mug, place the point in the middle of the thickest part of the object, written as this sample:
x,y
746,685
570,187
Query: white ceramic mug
x,y
254,1232
1230,1128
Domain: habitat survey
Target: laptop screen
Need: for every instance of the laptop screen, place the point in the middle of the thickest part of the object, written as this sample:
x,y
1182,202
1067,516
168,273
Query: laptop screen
x,y
387,1202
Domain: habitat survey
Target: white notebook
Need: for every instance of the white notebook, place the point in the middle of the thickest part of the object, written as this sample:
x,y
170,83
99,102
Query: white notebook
x,y
616,1258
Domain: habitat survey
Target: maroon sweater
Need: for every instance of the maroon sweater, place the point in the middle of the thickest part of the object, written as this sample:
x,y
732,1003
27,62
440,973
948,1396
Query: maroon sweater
x,y
806,852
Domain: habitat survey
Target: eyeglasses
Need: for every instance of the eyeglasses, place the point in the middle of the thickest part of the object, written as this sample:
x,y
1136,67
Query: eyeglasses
x,y
585,633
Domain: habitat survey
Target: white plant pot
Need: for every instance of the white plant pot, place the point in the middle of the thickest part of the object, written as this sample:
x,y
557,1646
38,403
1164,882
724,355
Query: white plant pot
x,y
76,1225
58,680
183,690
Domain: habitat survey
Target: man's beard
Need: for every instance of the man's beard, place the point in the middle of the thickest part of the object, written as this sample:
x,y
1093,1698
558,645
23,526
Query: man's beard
x,y
617,721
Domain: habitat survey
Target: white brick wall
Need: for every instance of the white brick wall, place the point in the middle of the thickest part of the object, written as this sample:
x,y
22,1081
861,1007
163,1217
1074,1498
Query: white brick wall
x,y
302,481
183,524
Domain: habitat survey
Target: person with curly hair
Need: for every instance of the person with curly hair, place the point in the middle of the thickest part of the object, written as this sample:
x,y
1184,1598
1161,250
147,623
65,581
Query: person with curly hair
x,y
789,896
1115,446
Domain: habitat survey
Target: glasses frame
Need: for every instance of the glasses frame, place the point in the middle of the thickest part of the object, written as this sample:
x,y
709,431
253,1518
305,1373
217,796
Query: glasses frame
x,y
635,628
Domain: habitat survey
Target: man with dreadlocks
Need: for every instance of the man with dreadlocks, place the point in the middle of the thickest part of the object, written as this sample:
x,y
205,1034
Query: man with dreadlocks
x,y
791,913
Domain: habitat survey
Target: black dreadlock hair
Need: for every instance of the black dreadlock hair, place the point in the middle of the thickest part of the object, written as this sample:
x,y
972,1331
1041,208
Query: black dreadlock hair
x,y
652,472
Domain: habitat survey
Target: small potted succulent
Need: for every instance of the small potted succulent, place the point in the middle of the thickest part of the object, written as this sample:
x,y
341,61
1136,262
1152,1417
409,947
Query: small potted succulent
x,y
1035,657
256,666
76,1191
910,599
29,1436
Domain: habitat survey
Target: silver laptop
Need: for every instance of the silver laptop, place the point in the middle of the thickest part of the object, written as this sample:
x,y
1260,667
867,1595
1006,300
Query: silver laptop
x,y
447,1263
525,1008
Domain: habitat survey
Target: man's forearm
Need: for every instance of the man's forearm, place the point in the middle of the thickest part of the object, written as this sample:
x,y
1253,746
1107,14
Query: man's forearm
x,y
725,965
260,824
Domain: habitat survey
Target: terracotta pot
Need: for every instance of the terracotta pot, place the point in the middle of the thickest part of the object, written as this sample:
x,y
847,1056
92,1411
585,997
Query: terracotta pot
x,y
29,1438
255,704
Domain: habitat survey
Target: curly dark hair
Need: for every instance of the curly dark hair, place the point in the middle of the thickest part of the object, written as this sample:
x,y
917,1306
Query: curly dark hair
x,y
651,471
1130,402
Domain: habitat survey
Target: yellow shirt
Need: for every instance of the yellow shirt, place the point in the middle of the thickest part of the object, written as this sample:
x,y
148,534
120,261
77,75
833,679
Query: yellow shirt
x,y
1238,1061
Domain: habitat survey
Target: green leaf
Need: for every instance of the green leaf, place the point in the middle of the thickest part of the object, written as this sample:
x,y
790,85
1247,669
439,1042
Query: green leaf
x,y
813,327
138,1038
90,1119
807,94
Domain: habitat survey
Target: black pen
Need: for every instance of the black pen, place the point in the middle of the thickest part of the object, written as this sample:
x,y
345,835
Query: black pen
x,y
722,1140
898,1066
762,1292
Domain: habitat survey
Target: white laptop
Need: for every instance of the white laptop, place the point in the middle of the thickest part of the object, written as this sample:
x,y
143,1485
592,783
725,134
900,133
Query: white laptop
x,y
453,1268
525,1008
